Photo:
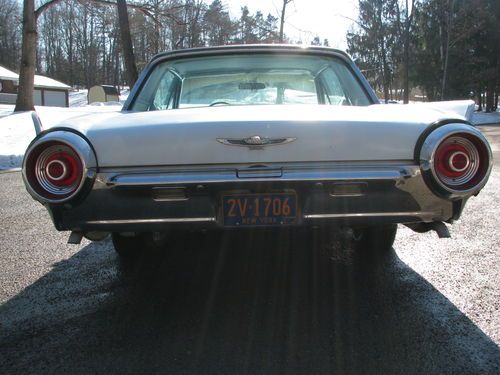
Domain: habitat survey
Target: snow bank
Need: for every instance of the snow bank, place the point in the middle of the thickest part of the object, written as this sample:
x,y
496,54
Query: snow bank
x,y
79,98
483,118
17,130
6,109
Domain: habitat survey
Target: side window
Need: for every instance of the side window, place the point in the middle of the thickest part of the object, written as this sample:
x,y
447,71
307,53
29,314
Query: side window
x,y
334,93
166,92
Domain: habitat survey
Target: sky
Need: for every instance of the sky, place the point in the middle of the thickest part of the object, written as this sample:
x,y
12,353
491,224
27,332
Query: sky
x,y
305,19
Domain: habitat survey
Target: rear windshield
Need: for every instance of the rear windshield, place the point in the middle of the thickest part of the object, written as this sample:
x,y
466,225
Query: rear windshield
x,y
260,79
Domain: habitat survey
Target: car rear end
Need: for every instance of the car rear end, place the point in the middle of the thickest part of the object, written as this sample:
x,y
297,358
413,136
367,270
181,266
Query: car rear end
x,y
209,143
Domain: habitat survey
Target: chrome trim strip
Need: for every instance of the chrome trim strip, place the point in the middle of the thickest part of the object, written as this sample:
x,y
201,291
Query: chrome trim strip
x,y
289,166
170,199
206,177
368,214
164,220
346,195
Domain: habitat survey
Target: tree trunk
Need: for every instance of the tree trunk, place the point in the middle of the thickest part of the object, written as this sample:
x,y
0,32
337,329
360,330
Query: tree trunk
x,y
479,100
406,83
451,6
385,71
70,46
126,39
282,20
406,63
24,101
406,56
490,92
495,105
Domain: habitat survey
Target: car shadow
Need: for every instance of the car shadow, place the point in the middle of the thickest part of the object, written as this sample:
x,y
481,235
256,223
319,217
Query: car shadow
x,y
238,302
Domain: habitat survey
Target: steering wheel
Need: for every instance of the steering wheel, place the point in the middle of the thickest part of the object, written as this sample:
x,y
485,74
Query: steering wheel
x,y
220,102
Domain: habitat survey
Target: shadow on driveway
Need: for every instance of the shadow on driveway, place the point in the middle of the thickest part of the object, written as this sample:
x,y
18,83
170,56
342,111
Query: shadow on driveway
x,y
238,303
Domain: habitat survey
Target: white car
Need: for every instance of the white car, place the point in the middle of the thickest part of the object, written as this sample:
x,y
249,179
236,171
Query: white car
x,y
252,136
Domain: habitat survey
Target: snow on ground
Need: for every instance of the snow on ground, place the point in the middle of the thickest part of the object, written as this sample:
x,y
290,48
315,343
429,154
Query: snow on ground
x,y
17,130
483,118
124,94
6,109
79,98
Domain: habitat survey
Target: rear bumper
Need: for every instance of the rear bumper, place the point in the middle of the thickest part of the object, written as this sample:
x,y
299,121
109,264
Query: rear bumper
x,y
156,199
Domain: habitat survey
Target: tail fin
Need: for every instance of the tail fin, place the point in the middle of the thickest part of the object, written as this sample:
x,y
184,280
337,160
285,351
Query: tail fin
x,y
36,122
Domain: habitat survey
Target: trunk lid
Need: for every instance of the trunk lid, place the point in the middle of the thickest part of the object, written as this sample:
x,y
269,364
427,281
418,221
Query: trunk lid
x,y
315,133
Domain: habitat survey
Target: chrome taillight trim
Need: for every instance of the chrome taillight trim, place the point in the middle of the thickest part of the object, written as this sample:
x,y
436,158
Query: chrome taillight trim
x,y
473,161
467,161
82,149
43,176
428,153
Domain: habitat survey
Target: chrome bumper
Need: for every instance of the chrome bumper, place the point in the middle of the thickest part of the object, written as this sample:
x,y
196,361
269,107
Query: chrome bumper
x,y
155,199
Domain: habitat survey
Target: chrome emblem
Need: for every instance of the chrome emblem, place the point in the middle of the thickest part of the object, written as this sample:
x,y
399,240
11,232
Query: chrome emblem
x,y
255,141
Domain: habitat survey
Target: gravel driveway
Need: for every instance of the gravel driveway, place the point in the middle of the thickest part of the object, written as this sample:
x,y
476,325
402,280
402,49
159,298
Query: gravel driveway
x,y
250,302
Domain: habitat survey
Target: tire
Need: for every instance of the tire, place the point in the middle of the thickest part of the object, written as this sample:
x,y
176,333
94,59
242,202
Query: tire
x,y
377,239
128,247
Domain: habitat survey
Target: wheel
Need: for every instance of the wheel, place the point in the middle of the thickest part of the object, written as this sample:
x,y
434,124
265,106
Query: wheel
x,y
128,246
377,239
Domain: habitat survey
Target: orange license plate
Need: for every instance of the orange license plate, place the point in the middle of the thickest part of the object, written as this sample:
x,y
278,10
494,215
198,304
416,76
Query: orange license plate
x,y
259,209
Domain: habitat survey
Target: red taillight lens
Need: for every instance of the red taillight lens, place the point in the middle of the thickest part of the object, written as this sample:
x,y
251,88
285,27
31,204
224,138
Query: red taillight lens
x,y
62,169
461,161
54,170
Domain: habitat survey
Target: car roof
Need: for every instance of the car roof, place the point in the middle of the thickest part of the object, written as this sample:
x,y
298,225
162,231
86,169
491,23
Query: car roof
x,y
242,48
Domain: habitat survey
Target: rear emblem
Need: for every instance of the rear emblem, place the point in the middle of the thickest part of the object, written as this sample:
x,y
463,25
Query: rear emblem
x,y
255,141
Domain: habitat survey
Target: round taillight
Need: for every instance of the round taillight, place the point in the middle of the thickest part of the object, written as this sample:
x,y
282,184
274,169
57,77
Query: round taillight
x,y
54,170
461,161
59,166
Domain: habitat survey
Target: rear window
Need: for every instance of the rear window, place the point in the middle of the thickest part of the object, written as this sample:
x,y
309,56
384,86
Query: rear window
x,y
260,79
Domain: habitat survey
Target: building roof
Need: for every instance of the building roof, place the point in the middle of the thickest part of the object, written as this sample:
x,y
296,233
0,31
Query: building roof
x,y
41,82
49,83
108,89
8,75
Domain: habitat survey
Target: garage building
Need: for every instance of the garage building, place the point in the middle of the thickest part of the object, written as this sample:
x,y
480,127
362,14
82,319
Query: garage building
x,y
47,92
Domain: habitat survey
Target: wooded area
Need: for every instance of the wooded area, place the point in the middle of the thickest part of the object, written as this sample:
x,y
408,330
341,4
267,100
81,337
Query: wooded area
x,y
450,49
447,48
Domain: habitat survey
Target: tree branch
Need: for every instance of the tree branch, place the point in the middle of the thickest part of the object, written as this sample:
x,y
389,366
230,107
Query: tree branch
x,y
42,8
147,11
355,21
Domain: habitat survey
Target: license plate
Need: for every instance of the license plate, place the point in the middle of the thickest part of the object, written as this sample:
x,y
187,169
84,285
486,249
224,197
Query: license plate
x,y
259,209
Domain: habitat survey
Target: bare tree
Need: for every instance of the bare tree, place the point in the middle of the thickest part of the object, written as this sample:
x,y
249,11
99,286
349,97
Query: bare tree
x,y
126,39
24,101
282,19
449,26
407,24
9,33
29,44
